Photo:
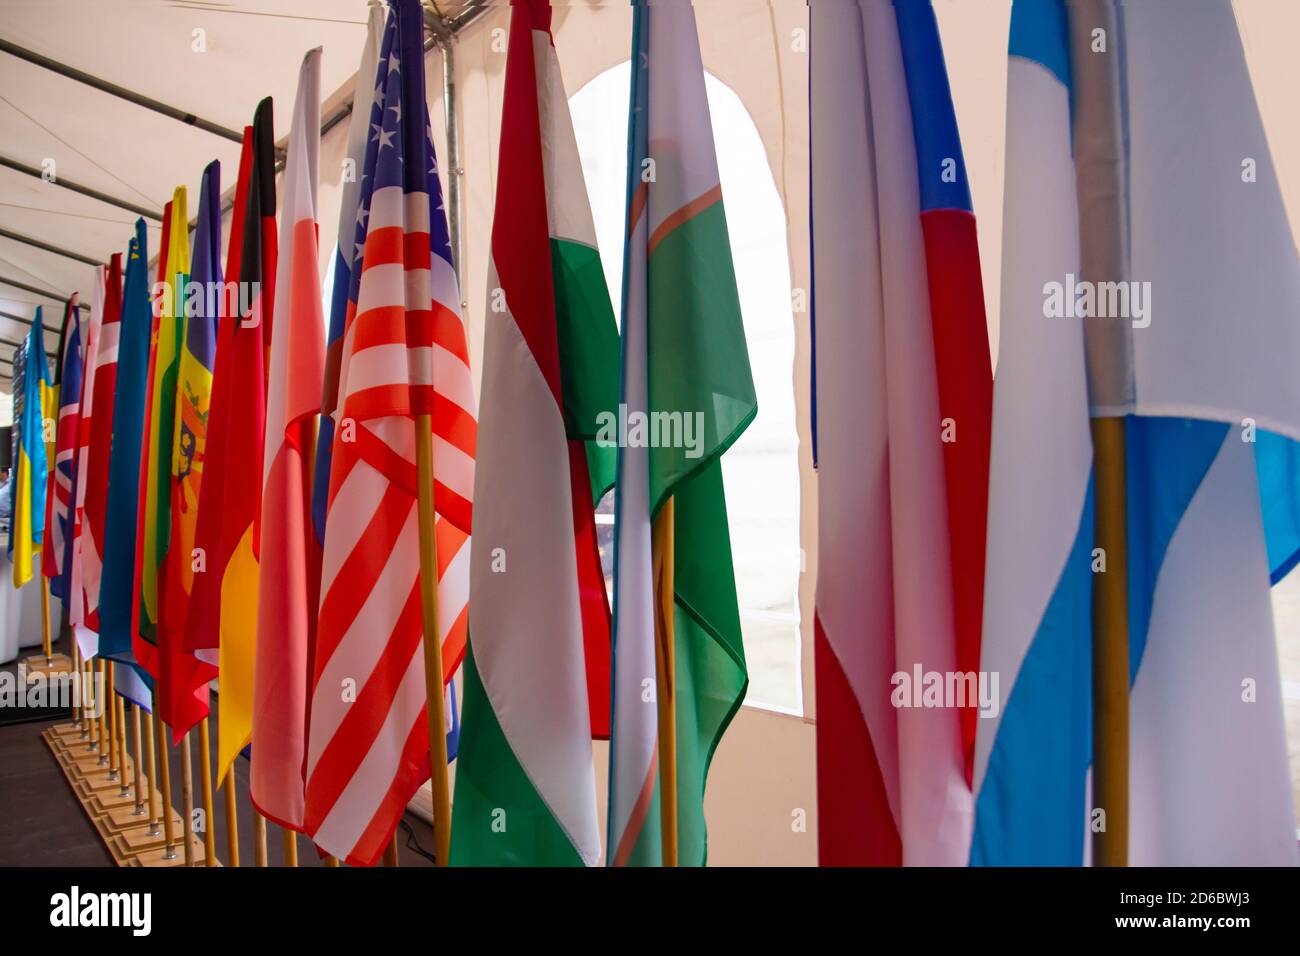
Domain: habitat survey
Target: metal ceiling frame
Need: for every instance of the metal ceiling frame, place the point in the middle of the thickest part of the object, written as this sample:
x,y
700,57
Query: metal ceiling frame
x,y
443,31
35,173
37,290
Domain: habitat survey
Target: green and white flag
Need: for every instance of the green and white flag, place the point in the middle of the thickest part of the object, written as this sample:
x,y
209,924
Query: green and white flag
x,y
687,394
536,678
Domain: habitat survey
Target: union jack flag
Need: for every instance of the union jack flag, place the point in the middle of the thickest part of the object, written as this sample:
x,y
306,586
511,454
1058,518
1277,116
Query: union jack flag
x,y
60,515
404,354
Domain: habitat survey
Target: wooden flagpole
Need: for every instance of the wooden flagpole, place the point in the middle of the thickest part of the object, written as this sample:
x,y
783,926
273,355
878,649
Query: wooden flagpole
x,y
165,777
232,821
76,699
187,800
45,619
139,761
433,676
390,852
1110,660
205,781
119,707
665,675
154,818
87,694
290,847
259,837
112,721
101,696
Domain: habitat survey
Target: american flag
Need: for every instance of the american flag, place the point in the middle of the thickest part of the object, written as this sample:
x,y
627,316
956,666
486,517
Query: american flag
x,y
404,354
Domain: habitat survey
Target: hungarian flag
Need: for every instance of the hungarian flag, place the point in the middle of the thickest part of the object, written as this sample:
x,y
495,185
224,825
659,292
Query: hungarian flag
x,y
289,570
97,430
59,514
684,355
27,530
202,635
122,498
904,395
537,673
404,355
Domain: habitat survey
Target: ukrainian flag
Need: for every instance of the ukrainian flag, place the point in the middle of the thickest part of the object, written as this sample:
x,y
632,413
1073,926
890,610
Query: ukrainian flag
x,y
28,527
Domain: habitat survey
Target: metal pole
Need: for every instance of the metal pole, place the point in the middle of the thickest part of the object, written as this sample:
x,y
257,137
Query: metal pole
x,y
37,290
78,188
46,247
121,92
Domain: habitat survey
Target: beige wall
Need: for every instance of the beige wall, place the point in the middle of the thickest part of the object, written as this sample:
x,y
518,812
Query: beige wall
x,y
764,771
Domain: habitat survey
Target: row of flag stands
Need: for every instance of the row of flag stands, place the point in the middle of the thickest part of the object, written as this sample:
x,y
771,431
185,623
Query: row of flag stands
x,y
1136,468
246,491
1047,540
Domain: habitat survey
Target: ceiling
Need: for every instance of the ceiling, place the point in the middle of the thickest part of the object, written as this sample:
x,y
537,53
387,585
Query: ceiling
x,y
213,59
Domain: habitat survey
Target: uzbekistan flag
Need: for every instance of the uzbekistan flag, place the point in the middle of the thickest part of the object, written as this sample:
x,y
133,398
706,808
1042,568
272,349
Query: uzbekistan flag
x,y
537,675
904,390
684,353
1110,196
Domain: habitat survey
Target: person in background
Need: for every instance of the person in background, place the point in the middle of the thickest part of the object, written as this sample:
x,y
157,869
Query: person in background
x,y
6,476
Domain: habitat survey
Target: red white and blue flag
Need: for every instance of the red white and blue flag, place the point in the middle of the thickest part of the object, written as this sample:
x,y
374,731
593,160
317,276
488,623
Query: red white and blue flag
x,y
903,404
59,518
404,354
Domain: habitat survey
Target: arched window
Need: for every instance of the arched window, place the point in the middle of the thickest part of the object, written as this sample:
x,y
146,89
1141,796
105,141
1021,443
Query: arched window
x,y
761,472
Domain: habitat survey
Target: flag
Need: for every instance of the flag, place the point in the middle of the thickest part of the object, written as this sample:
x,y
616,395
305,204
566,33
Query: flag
x,y
363,105
60,503
87,639
181,696
97,422
289,571
684,354
202,634
904,389
233,565
186,684
404,355
533,694
121,509
28,528
1123,252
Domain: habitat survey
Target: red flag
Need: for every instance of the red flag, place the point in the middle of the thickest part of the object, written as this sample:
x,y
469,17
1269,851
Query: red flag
x,y
289,564
103,389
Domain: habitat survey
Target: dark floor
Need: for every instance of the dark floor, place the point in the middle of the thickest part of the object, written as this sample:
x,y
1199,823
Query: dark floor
x,y
43,824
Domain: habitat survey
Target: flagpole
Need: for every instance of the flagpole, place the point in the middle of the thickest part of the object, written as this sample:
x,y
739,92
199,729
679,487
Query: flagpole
x,y
45,619
433,676
259,836
205,778
187,800
139,760
154,818
119,708
390,852
165,775
87,693
1110,651
232,821
100,695
665,674
290,847
112,722
76,698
